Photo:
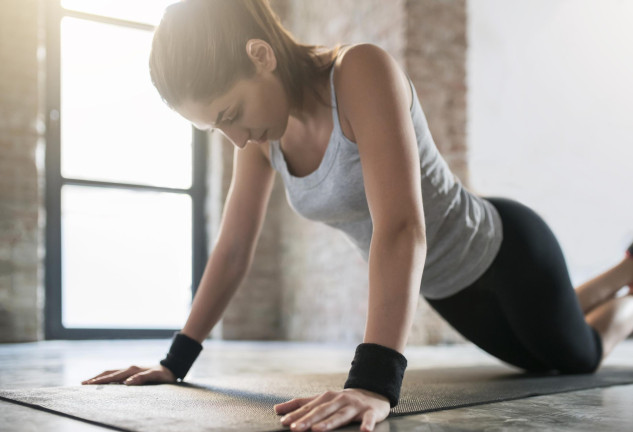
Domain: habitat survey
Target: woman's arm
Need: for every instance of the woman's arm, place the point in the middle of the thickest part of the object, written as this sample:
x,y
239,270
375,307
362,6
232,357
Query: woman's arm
x,y
373,97
241,224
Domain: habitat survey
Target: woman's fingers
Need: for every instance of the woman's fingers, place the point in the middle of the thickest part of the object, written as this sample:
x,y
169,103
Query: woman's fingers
x,y
149,376
137,379
116,376
108,372
339,418
329,411
333,409
369,421
291,405
307,405
134,375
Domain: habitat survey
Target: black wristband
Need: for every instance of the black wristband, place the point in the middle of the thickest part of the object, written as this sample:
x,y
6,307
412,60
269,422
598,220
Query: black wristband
x,y
182,353
378,369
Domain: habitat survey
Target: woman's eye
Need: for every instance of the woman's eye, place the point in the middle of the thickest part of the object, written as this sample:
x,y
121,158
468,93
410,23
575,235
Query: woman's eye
x,y
237,116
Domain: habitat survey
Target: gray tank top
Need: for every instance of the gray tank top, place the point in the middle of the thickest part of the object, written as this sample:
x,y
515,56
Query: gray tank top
x,y
463,231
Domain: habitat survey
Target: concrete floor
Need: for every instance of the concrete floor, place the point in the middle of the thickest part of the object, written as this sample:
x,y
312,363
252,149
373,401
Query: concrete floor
x,y
67,363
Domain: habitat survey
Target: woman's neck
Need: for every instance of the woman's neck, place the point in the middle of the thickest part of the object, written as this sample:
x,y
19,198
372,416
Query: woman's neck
x,y
313,109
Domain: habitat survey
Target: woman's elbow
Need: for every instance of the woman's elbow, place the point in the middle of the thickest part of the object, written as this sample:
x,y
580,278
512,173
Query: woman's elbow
x,y
412,231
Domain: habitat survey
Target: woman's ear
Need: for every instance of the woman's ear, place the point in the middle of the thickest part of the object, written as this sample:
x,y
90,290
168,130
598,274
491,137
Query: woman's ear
x,y
261,54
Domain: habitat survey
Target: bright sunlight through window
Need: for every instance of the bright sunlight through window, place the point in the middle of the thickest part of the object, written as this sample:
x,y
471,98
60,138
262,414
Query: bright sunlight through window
x,y
126,253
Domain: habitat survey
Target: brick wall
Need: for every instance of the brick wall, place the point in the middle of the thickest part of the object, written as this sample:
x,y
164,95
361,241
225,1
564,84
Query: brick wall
x,y
20,194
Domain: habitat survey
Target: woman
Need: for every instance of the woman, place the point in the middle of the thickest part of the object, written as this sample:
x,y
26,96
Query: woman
x,y
345,129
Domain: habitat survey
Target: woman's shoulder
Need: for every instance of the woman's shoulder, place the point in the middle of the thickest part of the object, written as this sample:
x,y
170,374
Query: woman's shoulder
x,y
362,68
364,55
367,52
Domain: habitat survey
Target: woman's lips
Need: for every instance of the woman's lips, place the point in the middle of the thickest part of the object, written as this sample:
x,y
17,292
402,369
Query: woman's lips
x,y
263,137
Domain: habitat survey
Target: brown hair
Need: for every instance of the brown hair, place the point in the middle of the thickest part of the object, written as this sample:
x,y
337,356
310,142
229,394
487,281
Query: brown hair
x,y
198,51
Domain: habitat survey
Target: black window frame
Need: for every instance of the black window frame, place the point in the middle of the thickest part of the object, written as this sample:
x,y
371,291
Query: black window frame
x,y
53,328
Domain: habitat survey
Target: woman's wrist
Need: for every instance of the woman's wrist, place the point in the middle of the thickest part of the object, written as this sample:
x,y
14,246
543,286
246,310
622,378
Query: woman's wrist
x,y
182,354
378,369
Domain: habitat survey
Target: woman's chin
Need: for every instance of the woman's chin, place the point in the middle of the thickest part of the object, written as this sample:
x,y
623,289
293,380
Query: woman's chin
x,y
271,135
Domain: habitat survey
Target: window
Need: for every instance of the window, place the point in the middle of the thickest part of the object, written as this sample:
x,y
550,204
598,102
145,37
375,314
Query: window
x,y
125,178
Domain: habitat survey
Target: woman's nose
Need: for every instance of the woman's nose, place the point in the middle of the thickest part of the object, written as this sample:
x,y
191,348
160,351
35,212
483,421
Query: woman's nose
x,y
237,135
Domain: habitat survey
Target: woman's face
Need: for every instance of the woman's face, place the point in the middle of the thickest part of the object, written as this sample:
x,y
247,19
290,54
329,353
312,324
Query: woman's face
x,y
254,109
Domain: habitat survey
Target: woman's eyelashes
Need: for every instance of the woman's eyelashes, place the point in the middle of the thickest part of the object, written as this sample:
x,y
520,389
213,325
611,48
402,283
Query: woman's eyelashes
x,y
235,118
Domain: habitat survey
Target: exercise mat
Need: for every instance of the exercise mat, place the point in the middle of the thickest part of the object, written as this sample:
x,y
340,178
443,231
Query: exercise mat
x,y
245,402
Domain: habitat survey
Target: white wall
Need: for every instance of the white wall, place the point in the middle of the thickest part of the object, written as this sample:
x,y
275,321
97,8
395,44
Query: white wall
x,y
550,113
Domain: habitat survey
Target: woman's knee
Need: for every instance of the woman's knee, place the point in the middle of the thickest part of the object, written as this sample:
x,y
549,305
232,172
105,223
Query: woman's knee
x,y
582,367
585,363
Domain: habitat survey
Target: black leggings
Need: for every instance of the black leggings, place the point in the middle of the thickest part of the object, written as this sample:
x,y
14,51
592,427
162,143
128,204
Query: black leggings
x,y
523,309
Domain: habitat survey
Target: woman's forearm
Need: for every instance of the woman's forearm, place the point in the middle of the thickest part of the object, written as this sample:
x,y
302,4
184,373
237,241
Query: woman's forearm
x,y
220,280
396,262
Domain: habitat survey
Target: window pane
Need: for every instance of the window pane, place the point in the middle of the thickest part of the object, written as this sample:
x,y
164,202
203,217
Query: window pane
x,y
126,258
114,127
145,11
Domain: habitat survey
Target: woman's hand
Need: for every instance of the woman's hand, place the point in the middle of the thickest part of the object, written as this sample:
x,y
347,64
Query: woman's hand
x,y
134,375
333,409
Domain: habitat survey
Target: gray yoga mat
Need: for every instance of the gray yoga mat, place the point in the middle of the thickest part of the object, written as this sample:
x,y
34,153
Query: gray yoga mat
x,y
245,402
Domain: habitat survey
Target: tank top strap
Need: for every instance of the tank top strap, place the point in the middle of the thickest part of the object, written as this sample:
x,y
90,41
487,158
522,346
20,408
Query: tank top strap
x,y
275,156
334,104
